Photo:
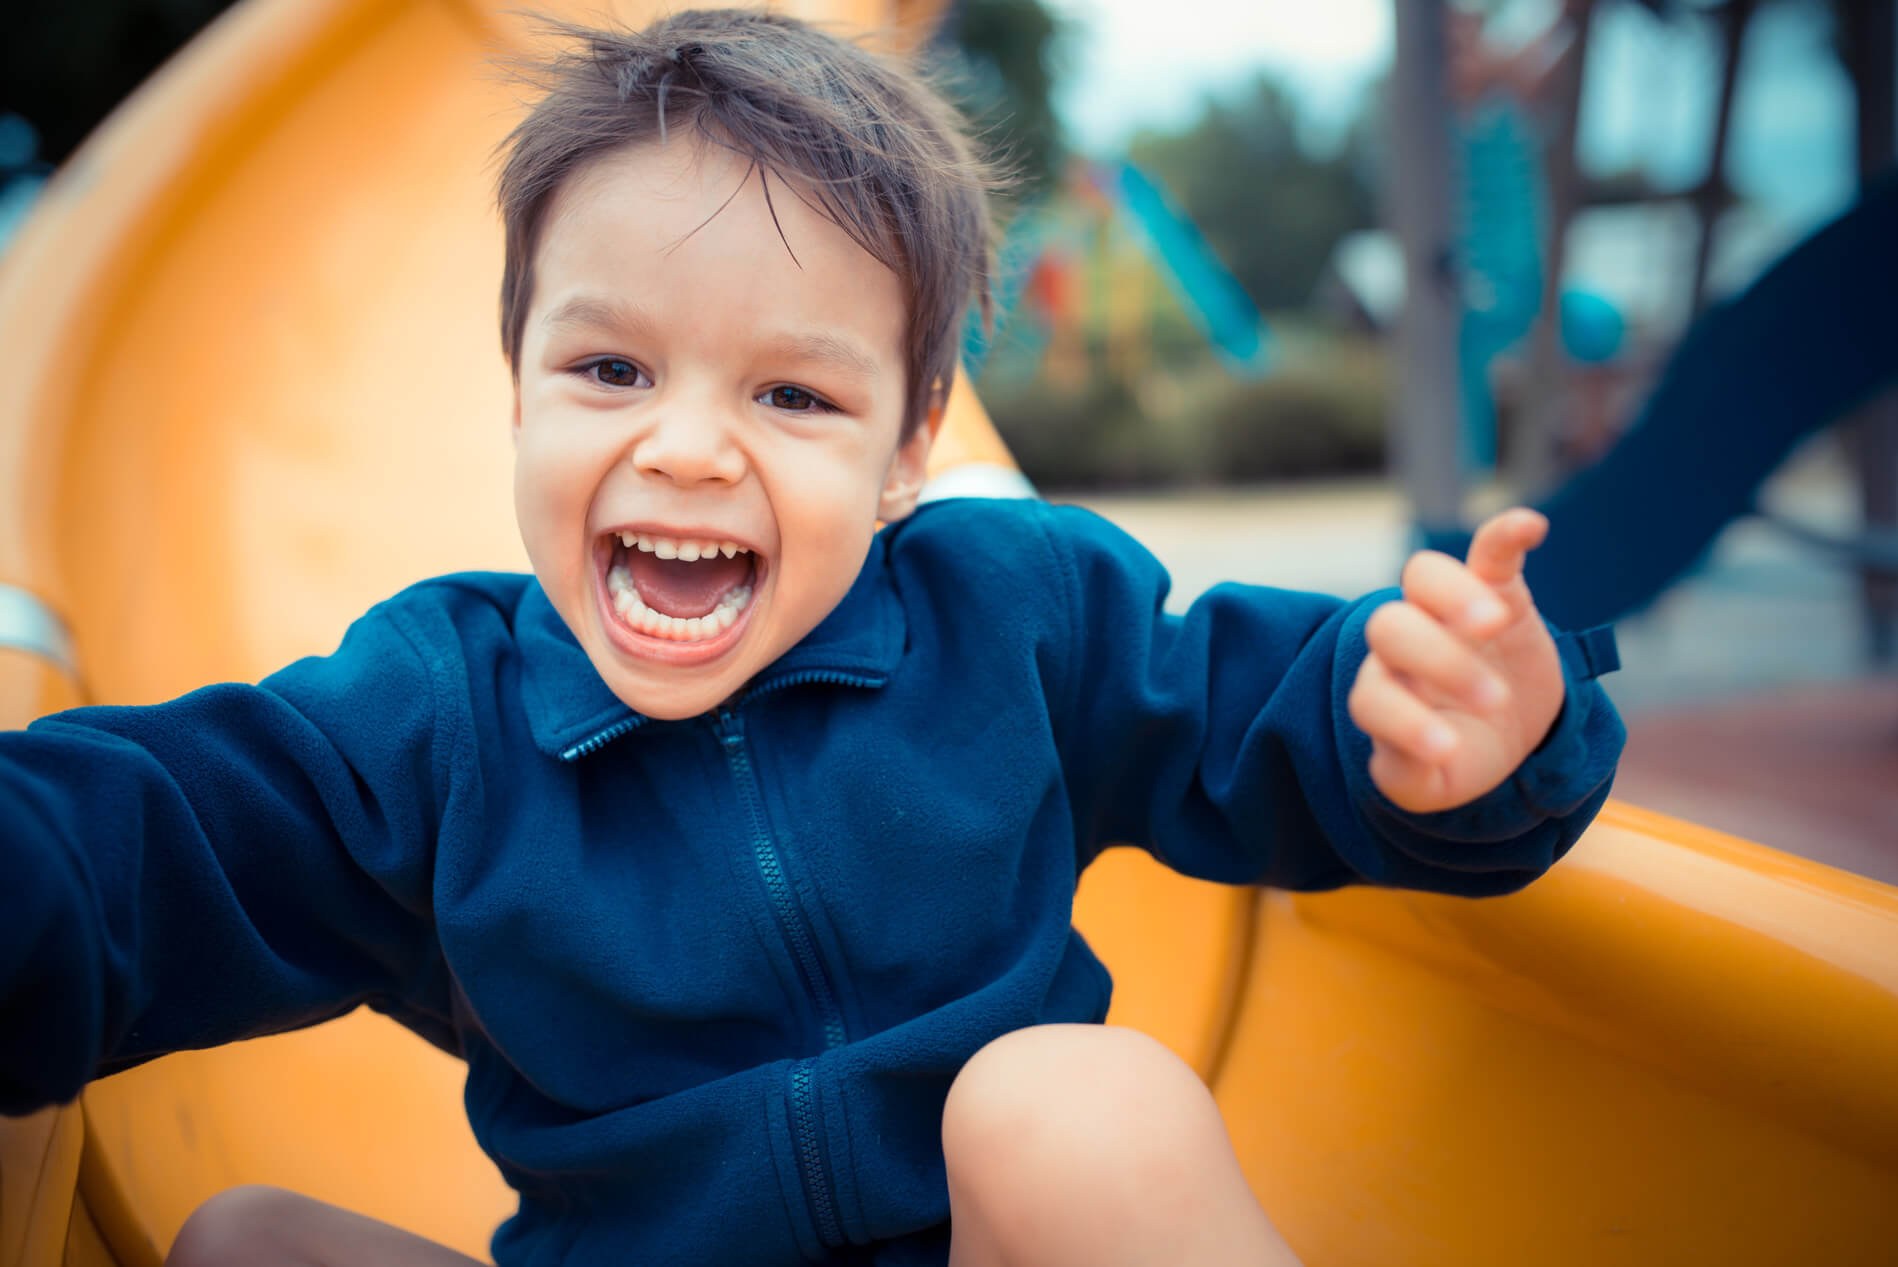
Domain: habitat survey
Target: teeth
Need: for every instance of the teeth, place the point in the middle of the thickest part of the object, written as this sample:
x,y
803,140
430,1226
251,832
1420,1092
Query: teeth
x,y
633,610
679,548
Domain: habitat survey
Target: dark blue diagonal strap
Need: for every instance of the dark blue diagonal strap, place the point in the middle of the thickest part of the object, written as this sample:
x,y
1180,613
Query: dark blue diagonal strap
x,y
1590,653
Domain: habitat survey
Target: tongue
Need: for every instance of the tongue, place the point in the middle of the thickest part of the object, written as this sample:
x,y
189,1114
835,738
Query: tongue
x,y
673,587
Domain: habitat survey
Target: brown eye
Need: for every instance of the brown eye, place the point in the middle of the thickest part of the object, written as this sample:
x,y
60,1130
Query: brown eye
x,y
616,373
795,398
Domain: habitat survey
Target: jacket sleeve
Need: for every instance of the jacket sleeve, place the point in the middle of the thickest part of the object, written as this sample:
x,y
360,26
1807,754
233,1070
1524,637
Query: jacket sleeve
x,y
239,861
1219,739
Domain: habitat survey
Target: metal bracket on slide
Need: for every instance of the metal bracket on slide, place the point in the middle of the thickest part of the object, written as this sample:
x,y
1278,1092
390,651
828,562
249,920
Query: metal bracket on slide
x,y
979,479
28,624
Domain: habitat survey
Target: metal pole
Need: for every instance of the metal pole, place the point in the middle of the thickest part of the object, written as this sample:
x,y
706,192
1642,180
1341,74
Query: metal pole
x,y
1428,403
1713,196
1870,47
1533,461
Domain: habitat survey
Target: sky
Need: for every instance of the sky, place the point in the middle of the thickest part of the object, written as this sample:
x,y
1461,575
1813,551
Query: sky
x,y
1135,63
1649,96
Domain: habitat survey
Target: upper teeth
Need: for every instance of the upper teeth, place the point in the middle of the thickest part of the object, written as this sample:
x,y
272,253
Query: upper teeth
x,y
677,548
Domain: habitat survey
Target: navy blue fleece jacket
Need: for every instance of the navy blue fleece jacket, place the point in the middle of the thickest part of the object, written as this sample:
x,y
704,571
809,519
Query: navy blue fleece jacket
x,y
712,978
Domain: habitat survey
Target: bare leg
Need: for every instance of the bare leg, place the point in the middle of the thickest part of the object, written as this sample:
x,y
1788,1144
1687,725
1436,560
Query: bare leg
x,y
258,1226
1096,1146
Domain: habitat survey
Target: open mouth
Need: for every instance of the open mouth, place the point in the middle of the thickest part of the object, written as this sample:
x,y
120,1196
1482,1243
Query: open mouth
x,y
682,590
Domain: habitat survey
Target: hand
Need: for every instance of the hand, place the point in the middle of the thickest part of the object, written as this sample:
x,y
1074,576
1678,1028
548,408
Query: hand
x,y
1463,680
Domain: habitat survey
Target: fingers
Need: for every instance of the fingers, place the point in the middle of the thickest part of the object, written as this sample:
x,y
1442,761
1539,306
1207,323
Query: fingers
x,y
1454,595
1500,545
1407,781
1414,645
1427,683
1390,714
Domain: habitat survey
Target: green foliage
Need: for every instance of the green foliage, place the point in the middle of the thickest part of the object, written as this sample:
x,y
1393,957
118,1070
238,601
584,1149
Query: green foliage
x,y
1319,417
1321,413
1097,437
1162,410
1270,208
1001,58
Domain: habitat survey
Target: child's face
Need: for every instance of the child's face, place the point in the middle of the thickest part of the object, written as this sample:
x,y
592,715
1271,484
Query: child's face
x,y
684,379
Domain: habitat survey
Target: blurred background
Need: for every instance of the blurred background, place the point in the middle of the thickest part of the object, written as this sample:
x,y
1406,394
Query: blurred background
x,y
1291,288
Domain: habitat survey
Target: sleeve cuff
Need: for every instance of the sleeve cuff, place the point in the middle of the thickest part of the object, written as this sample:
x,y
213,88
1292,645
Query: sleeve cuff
x,y
1567,773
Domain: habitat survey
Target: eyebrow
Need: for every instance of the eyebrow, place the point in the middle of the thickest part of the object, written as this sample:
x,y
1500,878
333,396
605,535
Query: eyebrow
x,y
828,349
587,312
590,312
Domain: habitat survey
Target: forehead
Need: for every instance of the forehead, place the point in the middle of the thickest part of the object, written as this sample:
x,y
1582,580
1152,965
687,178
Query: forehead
x,y
691,224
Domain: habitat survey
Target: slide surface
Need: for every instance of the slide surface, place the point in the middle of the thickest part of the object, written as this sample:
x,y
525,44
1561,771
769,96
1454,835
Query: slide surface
x,y
250,384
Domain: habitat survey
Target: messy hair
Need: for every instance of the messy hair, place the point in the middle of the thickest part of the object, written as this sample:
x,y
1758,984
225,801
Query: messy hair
x,y
861,137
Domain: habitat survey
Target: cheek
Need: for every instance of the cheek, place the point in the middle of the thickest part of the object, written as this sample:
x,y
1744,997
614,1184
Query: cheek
x,y
835,501
551,494
530,488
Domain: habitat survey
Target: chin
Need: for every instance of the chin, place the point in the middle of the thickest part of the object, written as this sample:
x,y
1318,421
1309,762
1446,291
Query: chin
x,y
665,704
663,694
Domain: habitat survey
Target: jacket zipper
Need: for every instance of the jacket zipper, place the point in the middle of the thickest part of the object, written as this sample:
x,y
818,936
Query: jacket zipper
x,y
603,738
800,677
730,731
810,1158
836,677
803,1092
764,851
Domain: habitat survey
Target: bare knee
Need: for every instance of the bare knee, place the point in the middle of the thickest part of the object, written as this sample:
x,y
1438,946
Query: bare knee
x,y
237,1226
1095,1108
1085,1144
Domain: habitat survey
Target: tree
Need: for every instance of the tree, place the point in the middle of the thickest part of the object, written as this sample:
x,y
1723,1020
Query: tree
x,y
1002,58
1271,209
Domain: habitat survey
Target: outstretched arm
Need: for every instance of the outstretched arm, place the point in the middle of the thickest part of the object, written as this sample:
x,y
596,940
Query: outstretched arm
x,y
1224,741
242,860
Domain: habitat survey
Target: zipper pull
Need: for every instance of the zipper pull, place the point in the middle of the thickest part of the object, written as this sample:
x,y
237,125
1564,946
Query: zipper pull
x,y
726,725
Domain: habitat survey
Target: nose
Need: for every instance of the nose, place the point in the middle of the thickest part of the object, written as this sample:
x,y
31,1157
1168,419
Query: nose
x,y
689,445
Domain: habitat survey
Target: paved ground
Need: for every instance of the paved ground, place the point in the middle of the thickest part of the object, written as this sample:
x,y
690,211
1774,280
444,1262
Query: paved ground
x,y
1750,702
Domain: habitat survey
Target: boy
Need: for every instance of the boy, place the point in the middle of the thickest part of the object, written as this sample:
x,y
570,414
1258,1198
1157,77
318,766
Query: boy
x,y
734,849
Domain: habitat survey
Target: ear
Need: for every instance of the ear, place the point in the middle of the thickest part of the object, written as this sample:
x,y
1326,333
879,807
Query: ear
x,y
908,469
514,413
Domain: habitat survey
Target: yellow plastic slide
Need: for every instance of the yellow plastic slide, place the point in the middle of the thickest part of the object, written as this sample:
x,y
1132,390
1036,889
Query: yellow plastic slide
x,y
249,385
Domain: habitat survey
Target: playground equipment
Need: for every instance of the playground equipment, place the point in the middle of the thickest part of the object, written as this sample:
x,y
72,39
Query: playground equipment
x,y
1812,338
1805,344
1043,272
247,388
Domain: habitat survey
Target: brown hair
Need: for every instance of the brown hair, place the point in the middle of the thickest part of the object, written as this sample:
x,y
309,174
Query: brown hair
x,y
881,153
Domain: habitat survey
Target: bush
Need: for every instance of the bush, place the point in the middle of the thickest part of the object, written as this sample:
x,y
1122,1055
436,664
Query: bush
x,y
1324,416
1095,438
1321,412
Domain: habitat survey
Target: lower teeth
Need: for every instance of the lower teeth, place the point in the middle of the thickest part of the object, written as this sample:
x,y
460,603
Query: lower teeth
x,y
633,610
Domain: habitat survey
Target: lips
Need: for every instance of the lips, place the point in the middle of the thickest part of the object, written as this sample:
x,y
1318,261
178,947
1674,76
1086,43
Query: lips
x,y
676,599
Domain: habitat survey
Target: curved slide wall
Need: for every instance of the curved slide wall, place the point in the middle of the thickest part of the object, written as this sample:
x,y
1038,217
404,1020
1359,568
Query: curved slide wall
x,y
249,385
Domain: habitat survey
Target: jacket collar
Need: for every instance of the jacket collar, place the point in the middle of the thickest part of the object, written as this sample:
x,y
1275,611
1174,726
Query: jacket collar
x,y
570,711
